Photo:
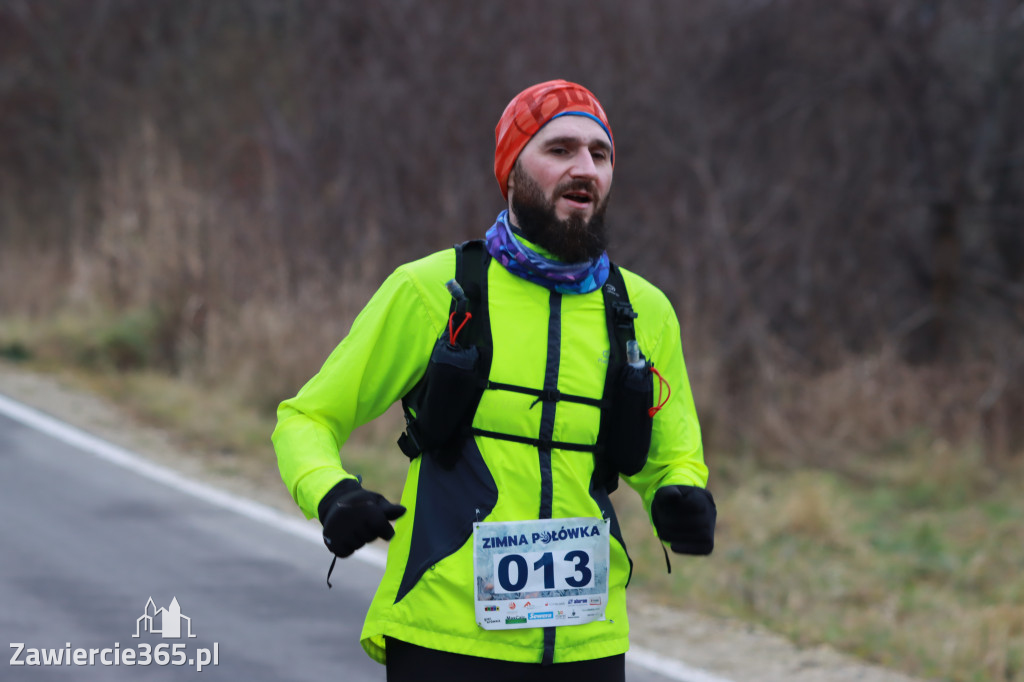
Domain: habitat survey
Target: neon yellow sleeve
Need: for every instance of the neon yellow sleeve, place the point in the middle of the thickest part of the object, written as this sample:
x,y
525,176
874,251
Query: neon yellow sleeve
x,y
383,356
677,453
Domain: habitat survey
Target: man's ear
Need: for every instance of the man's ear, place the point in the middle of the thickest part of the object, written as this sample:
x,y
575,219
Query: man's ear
x,y
510,182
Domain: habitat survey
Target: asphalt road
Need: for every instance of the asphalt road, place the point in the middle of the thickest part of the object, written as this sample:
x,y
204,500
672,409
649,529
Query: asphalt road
x,y
86,542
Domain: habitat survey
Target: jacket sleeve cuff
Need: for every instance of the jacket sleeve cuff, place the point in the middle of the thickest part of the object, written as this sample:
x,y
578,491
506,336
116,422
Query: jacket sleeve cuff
x,y
310,491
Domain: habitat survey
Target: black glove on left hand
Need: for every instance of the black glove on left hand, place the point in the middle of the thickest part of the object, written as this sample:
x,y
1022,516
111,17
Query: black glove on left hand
x,y
685,516
353,516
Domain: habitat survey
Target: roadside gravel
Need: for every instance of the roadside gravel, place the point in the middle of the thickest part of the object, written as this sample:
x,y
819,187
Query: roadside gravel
x,y
727,649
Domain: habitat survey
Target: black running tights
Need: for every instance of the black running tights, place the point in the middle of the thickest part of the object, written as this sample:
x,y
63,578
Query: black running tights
x,y
410,663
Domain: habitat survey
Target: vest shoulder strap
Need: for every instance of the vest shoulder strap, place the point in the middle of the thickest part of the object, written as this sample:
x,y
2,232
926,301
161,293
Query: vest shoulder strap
x,y
471,262
619,316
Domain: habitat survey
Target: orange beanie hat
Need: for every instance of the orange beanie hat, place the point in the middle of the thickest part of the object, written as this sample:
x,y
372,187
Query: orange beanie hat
x,y
530,110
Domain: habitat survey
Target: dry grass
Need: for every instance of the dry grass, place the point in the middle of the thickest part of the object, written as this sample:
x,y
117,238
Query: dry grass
x,y
865,403
915,563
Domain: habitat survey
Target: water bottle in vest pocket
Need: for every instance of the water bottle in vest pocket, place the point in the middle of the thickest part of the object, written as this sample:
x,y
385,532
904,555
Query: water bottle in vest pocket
x,y
629,432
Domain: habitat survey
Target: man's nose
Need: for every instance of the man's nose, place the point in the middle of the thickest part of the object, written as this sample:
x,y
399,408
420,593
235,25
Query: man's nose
x,y
583,166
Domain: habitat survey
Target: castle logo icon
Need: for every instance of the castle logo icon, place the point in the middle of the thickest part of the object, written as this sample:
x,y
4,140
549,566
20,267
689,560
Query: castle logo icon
x,y
165,622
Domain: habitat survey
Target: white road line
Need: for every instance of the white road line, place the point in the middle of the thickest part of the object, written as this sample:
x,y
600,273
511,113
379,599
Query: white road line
x,y
53,427
129,460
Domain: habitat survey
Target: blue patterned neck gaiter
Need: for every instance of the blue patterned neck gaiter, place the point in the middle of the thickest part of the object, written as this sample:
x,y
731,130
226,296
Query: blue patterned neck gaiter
x,y
522,261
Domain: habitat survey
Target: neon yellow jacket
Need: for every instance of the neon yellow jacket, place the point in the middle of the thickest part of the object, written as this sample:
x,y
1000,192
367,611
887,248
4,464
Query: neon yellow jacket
x,y
385,354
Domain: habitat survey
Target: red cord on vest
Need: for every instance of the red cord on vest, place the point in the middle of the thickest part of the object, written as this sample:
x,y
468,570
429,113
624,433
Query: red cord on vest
x,y
453,335
668,393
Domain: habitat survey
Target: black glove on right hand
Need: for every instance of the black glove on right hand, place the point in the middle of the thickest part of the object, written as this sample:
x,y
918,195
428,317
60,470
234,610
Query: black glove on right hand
x,y
685,516
353,516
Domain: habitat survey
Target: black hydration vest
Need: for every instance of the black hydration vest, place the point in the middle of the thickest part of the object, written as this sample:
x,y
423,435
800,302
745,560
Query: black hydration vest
x,y
439,409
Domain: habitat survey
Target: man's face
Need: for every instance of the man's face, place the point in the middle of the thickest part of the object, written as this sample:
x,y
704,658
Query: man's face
x,y
559,188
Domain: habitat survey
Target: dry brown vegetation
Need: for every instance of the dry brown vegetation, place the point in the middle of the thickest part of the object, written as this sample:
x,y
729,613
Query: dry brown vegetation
x,y
831,193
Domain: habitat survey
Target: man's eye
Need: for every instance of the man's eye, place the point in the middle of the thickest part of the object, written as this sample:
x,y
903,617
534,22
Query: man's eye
x,y
560,151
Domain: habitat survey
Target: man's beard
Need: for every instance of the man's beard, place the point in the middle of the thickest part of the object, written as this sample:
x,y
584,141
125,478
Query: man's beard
x,y
573,240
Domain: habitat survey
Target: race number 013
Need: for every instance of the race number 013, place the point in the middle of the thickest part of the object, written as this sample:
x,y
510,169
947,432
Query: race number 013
x,y
536,571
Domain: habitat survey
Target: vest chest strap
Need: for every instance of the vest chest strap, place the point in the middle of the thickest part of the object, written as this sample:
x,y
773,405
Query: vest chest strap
x,y
547,396
539,443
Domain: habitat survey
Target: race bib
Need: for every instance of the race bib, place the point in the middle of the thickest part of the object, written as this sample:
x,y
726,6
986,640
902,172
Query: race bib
x,y
532,574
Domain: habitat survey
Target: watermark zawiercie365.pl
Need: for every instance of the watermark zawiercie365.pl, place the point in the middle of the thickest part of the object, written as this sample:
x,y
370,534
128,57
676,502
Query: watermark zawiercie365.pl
x,y
168,622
